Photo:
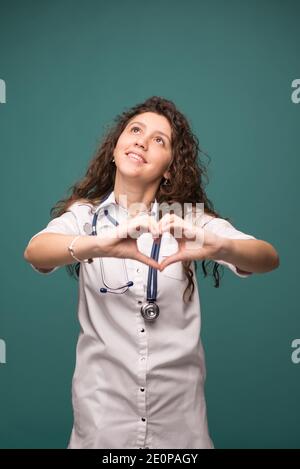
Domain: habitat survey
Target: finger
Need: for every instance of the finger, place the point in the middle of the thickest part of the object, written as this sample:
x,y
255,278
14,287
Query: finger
x,y
174,227
154,228
150,225
163,221
123,229
137,227
170,260
144,224
147,260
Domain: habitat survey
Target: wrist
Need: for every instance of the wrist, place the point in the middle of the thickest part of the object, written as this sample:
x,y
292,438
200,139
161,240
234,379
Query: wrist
x,y
80,247
224,249
98,246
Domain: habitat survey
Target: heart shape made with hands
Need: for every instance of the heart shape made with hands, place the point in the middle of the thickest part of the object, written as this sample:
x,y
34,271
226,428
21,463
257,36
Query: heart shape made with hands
x,y
190,239
193,244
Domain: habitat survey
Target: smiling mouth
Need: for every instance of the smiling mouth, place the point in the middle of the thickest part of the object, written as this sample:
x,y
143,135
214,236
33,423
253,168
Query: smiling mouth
x,y
135,157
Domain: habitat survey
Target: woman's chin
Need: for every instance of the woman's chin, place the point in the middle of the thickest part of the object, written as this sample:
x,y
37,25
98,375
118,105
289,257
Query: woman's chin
x,y
130,170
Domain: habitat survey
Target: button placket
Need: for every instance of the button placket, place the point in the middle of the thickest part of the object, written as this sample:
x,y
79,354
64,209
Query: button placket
x,y
142,372
140,277
142,431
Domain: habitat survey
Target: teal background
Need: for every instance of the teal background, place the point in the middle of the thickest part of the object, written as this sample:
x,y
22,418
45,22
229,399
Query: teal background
x,y
69,68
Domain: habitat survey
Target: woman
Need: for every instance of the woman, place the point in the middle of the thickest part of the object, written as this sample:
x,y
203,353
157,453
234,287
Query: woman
x,y
140,368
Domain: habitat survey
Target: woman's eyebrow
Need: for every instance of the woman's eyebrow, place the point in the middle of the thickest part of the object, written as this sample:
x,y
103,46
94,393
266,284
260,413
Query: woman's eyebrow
x,y
157,131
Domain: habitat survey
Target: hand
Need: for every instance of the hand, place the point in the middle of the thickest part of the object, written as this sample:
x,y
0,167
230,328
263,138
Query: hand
x,y
121,241
194,243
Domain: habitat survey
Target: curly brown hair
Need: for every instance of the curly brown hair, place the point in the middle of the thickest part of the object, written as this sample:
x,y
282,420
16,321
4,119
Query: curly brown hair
x,y
188,174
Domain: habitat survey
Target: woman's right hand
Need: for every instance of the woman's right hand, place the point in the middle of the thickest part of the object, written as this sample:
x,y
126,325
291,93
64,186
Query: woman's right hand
x,y
121,241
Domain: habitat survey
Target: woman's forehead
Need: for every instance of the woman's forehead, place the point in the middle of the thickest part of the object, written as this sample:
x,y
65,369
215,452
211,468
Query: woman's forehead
x,y
152,120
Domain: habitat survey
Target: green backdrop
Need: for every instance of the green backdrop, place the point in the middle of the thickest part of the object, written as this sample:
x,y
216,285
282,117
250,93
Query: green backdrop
x,y
69,68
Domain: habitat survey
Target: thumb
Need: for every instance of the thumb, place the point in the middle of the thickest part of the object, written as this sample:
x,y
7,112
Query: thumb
x,y
170,260
147,260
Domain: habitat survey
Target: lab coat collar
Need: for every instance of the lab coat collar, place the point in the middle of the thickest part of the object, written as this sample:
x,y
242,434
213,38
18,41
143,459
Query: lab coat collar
x,y
111,200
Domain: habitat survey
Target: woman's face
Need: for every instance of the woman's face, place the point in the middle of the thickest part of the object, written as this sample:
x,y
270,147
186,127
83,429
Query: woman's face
x,y
144,147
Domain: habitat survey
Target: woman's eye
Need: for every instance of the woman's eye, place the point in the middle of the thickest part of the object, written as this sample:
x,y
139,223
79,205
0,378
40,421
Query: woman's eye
x,y
157,138
135,128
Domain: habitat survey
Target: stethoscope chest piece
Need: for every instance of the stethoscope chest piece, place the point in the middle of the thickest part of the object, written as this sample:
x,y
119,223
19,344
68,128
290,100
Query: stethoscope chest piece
x,y
150,311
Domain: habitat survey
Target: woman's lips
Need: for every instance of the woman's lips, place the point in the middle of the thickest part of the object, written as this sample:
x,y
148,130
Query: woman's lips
x,y
136,158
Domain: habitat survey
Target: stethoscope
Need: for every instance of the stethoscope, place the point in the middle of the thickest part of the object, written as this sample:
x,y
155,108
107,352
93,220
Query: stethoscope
x,y
150,309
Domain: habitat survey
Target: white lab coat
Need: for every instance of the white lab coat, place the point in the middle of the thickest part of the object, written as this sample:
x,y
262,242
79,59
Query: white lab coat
x,y
137,384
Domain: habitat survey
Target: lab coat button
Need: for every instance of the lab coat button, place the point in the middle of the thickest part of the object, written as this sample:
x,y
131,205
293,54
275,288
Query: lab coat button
x,y
142,389
143,419
140,302
142,330
138,270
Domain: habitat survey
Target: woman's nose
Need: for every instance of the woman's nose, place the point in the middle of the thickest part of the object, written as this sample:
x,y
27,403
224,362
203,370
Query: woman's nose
x,y
141,141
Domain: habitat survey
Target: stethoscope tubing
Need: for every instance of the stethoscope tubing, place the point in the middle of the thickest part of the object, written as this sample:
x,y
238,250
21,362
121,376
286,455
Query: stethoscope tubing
x,y
152,272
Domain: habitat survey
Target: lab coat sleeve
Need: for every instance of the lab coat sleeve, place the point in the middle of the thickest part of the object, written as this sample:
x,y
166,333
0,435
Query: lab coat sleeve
x,y
65,224
224,228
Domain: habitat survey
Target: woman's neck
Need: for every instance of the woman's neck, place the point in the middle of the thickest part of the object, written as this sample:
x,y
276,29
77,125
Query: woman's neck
x,y
134,199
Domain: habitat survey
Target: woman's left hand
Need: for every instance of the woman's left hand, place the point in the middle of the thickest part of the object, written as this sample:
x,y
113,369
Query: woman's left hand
x,y
193,242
